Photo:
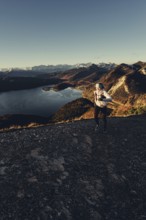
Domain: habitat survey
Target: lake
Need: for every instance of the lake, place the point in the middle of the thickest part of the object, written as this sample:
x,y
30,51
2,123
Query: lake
x,y
36,101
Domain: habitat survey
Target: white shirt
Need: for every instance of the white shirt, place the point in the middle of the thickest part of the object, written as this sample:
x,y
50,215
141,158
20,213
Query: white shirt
x,y
98,93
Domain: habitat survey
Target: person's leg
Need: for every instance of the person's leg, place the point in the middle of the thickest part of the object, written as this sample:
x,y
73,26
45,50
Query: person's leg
x,y
96,113
104,112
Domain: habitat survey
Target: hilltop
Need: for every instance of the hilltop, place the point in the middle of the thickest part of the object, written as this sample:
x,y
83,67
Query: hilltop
x,y
69,172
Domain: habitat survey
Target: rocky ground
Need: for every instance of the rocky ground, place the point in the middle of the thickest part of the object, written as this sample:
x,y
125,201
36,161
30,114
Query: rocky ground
x,y
70,172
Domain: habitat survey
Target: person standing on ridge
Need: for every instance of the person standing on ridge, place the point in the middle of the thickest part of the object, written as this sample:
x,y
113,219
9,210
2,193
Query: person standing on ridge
x,y
101,98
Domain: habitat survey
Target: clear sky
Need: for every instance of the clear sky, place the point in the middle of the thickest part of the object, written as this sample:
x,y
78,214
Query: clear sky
x,y
34,32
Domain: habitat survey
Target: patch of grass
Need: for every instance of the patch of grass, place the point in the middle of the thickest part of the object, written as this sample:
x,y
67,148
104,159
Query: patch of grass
x,y
137,111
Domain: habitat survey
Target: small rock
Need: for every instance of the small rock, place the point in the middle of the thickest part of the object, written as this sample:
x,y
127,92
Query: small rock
x,y
2,170
57,164
20,194
75,141
96,216
88,140
74,134
32,179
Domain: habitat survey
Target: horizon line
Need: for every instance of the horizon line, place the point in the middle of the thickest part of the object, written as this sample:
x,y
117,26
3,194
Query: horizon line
x,y
62,64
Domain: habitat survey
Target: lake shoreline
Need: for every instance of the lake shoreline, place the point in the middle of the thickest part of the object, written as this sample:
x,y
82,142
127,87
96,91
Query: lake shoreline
x,y
36,101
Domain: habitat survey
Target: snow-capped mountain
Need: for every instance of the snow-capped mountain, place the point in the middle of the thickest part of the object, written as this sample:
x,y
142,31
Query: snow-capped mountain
x,y
35,70
64,67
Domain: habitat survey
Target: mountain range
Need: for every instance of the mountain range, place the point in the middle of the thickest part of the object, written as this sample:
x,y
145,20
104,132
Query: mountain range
x,y
125,83
17,79
54,68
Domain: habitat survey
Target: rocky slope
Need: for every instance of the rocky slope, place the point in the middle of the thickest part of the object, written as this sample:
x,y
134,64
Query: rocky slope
x,y
83,75
74,110
126,85
69,172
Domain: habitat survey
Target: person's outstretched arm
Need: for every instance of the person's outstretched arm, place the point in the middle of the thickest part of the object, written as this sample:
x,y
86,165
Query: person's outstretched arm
x,y
107,98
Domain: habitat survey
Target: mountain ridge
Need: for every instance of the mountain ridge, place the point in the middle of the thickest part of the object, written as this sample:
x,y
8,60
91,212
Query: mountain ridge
x,y
57,67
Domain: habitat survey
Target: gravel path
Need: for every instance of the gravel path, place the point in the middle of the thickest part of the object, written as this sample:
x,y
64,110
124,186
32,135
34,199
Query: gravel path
x,y
70,172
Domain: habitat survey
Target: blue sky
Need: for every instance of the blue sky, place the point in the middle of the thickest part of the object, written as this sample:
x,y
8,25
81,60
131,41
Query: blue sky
x,y
34,32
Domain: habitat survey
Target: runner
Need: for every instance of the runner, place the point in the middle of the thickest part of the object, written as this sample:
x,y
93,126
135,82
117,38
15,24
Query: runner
x,y
101,98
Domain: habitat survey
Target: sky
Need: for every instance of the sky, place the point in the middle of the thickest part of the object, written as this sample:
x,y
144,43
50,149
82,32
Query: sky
x,y
51,32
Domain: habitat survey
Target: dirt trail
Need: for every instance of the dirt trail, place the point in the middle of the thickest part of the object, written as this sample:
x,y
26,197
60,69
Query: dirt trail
x,y
69,172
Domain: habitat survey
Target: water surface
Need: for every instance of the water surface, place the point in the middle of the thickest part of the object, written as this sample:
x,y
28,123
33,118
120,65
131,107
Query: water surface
x,y
36,101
